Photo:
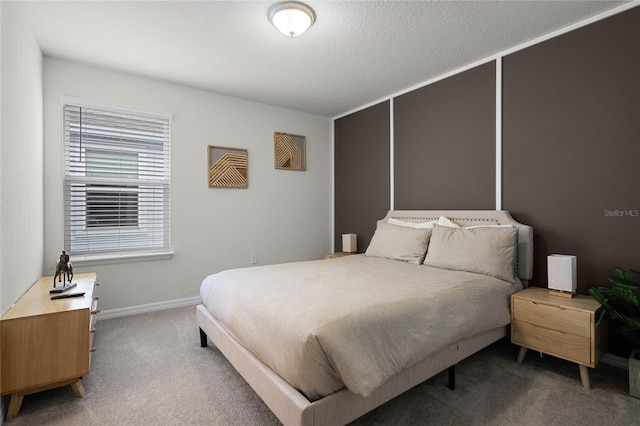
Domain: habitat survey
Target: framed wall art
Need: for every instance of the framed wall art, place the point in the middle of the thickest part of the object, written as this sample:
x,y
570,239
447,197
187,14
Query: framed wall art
x,y
228,167
289,151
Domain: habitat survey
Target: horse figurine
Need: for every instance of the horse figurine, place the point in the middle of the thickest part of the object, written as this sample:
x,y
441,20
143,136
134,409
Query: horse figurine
x,y
64,269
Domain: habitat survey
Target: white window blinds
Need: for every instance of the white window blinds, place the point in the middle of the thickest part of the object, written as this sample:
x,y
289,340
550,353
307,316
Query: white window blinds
x,y
117,183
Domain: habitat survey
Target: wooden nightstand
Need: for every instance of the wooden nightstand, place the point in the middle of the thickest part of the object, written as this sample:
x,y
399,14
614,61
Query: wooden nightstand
x,y
338,254
558,326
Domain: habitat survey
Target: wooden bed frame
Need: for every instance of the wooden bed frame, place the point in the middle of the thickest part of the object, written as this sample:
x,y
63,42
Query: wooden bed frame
x,y
293,408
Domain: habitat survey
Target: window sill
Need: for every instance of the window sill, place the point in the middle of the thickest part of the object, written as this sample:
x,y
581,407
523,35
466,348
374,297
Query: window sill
x,y
112,258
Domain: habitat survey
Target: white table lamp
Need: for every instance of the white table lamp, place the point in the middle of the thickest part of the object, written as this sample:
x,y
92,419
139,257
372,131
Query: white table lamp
x,y
350,243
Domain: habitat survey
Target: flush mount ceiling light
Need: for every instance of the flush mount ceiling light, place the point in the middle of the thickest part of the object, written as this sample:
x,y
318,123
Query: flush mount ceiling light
x,y
291,18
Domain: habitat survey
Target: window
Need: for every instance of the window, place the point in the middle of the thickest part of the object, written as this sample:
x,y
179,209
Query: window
x,y
116,182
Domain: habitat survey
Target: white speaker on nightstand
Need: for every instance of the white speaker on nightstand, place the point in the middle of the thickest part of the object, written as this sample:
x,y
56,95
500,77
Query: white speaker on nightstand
x,y
350,243
562,273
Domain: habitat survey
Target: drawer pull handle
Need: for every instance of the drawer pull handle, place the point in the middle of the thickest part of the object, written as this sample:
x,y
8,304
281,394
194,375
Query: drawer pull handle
x,y
96,298
95,312
93,330
551,330
92,350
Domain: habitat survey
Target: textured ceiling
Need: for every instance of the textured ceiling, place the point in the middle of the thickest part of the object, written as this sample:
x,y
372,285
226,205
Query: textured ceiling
x,y
357,51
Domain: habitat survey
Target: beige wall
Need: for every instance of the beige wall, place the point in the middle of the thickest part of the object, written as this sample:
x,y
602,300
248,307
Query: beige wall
x,y
283,216
21,156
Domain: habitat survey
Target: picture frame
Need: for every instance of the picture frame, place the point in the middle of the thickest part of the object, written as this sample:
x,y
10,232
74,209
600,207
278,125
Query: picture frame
x,y
228,167
289,151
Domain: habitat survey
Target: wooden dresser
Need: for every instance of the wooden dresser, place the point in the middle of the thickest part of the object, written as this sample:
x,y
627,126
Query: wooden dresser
x,y
558,326
47,343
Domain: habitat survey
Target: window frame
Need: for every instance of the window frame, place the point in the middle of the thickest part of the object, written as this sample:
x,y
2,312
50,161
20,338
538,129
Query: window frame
x,y
158,180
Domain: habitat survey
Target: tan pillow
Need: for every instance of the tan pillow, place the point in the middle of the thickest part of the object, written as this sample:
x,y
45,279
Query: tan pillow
x,y
399,243
489,251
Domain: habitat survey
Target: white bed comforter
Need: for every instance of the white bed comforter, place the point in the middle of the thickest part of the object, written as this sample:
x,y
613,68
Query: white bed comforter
x,y
354,321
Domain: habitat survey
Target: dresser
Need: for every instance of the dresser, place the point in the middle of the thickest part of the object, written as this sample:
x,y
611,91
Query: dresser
x,y
47,343
558,326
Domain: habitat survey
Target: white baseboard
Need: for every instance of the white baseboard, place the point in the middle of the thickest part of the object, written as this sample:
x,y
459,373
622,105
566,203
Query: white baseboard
x,y
615,361
150,307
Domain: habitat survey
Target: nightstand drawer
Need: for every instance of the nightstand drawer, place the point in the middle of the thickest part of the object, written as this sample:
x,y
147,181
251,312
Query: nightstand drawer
x,y
561,344
553,317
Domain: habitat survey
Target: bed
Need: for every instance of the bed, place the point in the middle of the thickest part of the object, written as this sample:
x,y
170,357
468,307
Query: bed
x,y
363,329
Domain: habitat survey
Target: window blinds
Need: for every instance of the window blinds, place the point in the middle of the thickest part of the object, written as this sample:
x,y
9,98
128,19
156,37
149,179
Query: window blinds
x,y
117,181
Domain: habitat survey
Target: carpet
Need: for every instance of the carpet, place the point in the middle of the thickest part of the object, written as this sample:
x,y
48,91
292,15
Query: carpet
x,y
149,369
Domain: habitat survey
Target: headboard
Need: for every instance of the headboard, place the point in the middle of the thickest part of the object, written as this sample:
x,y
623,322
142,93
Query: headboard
x,y
475,218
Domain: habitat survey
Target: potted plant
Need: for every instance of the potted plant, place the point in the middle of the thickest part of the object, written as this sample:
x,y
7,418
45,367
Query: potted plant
x,y
620,303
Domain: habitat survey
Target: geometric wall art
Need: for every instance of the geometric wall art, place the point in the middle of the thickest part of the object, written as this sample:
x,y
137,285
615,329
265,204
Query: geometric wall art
x,y
289,151
228,167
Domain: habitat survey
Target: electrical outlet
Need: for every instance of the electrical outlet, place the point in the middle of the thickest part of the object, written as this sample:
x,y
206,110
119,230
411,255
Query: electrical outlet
x,y
254,258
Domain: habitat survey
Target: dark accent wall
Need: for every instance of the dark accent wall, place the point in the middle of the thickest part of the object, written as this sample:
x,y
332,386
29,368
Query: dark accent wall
x,y
444,143
570,138
362,194
571,146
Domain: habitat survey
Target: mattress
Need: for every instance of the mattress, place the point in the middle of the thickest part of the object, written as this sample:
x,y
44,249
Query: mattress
x,y
354,321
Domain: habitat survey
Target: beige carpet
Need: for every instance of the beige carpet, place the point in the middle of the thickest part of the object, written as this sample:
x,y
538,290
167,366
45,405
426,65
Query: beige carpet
x,y
150,370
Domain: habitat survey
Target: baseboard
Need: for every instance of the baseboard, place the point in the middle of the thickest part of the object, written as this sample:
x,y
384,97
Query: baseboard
x,y
615,361
150,307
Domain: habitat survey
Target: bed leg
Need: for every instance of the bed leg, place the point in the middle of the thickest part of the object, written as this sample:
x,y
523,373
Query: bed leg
x,y
452,377
203,339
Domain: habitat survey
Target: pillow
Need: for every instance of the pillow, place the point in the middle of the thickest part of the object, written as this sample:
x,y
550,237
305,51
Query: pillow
x,y
418,225
445,221
483,250
399,243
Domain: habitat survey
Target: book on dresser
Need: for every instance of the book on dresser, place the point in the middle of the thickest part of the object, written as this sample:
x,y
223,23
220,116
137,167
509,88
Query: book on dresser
x,y
47,343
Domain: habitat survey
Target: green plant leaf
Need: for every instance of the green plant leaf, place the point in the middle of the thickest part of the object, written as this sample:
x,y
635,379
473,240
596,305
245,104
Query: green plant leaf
x,y
621,282
627,274
620,302
601,316
598,294
623,296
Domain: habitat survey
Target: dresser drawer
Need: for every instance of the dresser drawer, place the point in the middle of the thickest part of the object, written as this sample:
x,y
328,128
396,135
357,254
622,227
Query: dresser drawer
x,y
558,343
553,317
92,323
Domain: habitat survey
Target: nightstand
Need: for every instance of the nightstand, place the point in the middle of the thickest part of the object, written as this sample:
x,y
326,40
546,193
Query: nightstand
x,y
558,326
338,254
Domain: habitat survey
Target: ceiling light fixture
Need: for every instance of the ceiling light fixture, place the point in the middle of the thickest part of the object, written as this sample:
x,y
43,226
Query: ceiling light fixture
x,y
291,18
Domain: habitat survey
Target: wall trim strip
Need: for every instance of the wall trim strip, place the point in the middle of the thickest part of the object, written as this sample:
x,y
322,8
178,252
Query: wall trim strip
x,y
391,159
332,170
499,133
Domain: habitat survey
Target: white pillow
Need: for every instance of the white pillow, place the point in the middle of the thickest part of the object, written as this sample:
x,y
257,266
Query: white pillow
x,y
399,243
418,225
445,221
483,250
